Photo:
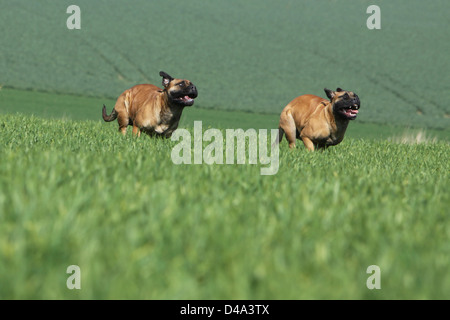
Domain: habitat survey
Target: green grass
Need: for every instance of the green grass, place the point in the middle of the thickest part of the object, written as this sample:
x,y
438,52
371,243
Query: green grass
x,y
75,192
140,227
51,105
242,55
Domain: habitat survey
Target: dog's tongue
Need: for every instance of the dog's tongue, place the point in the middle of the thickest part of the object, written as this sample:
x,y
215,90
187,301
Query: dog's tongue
x,y
351,112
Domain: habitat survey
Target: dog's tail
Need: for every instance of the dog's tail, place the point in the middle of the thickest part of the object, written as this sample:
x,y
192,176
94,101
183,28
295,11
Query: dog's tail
x,y
111,117
280,136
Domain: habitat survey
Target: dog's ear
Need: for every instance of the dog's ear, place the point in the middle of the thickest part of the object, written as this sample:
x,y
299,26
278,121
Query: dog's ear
x,y
330,93
339,90
166,79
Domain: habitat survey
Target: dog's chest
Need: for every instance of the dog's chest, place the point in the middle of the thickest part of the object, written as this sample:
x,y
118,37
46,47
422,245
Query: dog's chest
x,y
333,139
337,132
165,118
167,122
326,138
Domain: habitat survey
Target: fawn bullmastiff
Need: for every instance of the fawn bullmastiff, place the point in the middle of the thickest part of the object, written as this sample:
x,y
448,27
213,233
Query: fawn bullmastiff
x,y
318,122
153,110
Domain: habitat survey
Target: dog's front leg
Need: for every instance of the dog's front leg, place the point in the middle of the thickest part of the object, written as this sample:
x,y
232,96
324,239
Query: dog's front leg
x,y
308,143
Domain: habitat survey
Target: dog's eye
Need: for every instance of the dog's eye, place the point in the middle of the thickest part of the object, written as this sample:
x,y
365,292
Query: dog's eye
x,y
345,96
181,84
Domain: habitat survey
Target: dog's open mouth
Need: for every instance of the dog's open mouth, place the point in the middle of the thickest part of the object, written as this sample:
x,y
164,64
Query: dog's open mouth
x,y
186,99
350,112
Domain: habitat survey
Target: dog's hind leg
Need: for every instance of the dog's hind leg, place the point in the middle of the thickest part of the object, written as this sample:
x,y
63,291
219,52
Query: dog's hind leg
x,y
136,131
287,124
123,121
122,110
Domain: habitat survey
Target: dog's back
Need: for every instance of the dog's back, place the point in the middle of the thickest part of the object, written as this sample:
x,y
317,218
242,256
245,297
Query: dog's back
x,y
303,107
298,112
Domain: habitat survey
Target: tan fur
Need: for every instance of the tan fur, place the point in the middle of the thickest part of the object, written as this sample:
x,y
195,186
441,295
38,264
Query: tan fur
x,y
312,119
148,109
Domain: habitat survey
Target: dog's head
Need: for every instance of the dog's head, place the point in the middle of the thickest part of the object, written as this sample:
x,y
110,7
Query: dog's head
x,y
180,92
345,103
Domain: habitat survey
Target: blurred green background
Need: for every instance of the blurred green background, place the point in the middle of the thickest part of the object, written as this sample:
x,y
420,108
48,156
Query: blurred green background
x,y
242,55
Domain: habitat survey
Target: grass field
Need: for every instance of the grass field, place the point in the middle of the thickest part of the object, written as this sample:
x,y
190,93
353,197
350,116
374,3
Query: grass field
x,y
76,192
57,106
